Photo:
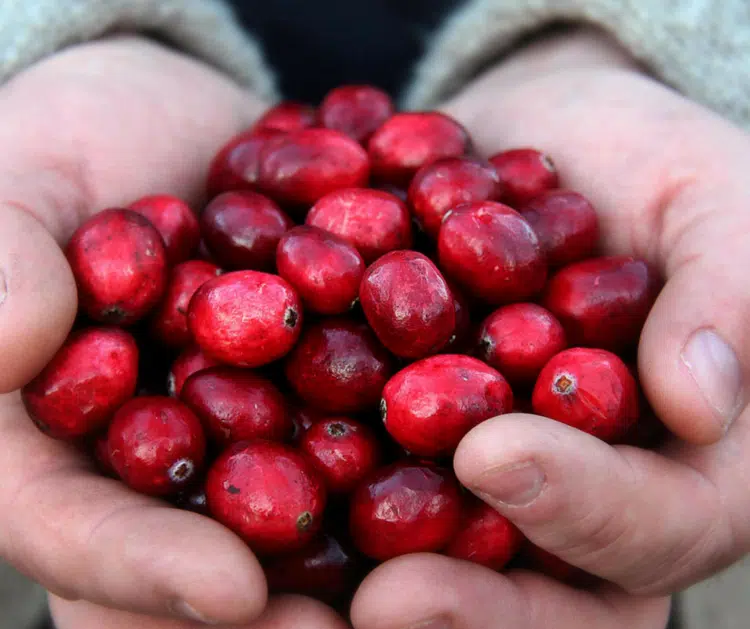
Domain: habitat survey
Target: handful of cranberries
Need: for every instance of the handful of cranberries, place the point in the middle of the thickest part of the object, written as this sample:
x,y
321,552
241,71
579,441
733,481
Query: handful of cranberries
x,y
301,361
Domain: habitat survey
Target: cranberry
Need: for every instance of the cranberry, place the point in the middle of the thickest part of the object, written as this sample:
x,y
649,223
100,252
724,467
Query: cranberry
x,y
303,166
430,405
268,494
120,265
302,418
287,116
485,537
324,269
519,340
91,375
491,251
245,318
566,224
236,405
408,304
446,183
603,302
190,361
176,223
407,141
374,221
356,110
339,366
242,229
407,507
194,500
462,332
169,322
343,451
524,173
156,445
589,389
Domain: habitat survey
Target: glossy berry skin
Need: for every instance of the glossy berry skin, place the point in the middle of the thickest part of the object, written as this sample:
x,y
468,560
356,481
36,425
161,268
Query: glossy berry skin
x,y
406,507
589,389
301,167
374,221
447,183
603,302
120,266
430,405
356,110
324,269
176,223
242,229
519,340
524,173
485,537
342,450
287,116
339,366
268,494
156,445
169,321
566,224
491,252
408,304
245,318
88,379
407,141
237,405
191,360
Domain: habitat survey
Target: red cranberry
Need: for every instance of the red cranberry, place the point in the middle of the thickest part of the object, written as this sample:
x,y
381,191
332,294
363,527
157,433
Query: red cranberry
x,y
176,223
404,508
408,304
339,366
324,269
519,339
287,116
492,252
237,405
100,451
156,445
245,318
407,141
190,361
303,166
169,322
375,222
524,173
566,224
356,110
603,302
242,229
343,451
302,418
446,183
589,389
430,405
120,265
91,375
268,494
485,537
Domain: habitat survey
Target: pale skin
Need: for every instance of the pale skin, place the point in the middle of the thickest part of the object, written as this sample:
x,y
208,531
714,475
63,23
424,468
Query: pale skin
x,y
103,123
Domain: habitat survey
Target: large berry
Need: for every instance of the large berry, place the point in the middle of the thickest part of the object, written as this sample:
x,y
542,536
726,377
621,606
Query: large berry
x,y
356,110
191,360
524,173
176,223
287,116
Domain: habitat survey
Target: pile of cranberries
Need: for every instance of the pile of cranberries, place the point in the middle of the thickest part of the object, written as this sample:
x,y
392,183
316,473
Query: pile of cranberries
x,y
301,360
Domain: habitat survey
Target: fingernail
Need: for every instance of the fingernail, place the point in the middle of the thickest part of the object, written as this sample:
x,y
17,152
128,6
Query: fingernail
x,y
434,623
515,485
3,287
716,371
186,610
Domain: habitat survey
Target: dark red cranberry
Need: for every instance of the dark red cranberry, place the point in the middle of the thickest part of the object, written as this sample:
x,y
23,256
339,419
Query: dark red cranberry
x,y
524,173
176,223
193,500
190,361
287,116
356,110
462,333
302,418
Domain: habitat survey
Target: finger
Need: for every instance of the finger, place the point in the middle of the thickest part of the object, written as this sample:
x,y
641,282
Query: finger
x,y
87,537
417,590
631,516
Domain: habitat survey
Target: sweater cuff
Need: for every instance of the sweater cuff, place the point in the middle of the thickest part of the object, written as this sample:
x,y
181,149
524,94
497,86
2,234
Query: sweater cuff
x,y
207,29
699,47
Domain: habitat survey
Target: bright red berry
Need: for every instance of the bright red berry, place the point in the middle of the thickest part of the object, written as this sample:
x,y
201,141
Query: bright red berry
x,y
524,173
267,493
356,110
588,389
156,445
176,223
287,116
245,318
408,304
89,378
190,361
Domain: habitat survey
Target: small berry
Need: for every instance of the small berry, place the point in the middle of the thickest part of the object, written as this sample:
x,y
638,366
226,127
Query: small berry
x,y
190,361
356,110
176,223
287,116
524,173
